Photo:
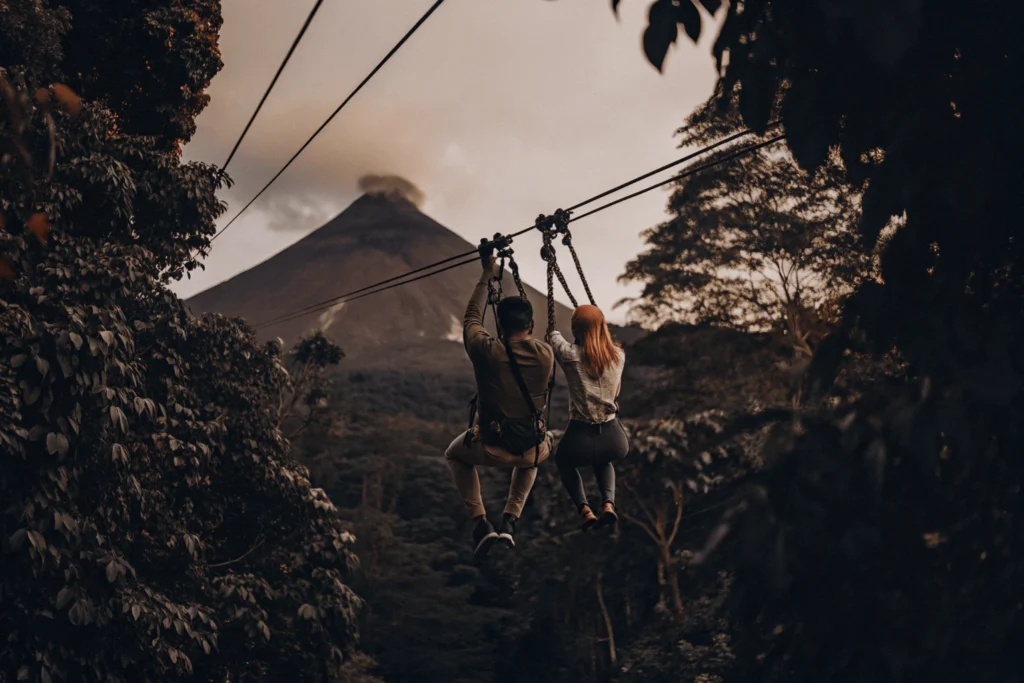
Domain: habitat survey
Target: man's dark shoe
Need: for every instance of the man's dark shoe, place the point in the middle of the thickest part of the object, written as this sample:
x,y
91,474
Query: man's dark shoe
x,y
507,535
484,537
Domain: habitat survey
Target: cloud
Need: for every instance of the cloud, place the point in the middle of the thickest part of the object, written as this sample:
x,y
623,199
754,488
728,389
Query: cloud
x,y
392,186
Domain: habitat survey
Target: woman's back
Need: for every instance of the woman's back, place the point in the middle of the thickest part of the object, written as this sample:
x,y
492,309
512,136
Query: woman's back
x,y
592,396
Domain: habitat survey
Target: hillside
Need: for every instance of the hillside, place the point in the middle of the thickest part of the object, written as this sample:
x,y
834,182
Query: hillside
x,y
375,238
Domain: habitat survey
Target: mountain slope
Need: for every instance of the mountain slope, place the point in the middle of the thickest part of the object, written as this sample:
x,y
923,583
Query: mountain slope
x,y
375,238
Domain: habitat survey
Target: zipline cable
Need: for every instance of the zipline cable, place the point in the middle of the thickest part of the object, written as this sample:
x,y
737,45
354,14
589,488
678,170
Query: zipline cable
x,y
312,308
688,172
330,118
391,284
280,69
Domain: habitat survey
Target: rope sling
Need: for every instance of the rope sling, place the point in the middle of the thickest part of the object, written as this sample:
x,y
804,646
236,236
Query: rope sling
x,y
550,227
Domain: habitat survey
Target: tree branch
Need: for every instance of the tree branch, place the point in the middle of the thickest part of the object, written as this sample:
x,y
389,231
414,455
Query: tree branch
x,y
677,497
247,553
643,508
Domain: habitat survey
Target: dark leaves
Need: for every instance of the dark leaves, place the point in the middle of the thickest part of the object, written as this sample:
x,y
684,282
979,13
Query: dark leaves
x,y
661,32
688,15
760,86
807,133
64,597
881,202
57,444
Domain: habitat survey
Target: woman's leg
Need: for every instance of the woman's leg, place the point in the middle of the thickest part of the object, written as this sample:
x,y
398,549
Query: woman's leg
x,y
571,454
605,474
612,447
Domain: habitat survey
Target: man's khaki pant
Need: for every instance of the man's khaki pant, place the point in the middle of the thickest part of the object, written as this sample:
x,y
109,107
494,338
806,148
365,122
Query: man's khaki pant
x,y
463,455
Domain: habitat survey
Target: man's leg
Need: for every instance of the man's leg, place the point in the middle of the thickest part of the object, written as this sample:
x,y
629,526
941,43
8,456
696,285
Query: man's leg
x,y
519,490
462,463
463,455
524,474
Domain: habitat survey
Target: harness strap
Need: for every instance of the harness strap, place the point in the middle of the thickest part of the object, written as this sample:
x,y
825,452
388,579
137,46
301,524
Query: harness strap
x,y
513,365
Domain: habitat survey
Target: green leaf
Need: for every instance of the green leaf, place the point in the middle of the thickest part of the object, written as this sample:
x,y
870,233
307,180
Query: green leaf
x,y
112,571
57,444
76,339
118,419
661,32
37,540
23,673
64,597
689,17
18,537
19,360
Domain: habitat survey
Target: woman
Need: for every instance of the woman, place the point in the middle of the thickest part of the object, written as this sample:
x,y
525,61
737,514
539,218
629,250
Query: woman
x,y
594,438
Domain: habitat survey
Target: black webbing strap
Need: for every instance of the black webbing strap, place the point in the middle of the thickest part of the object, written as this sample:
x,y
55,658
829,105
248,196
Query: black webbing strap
x,y
513,365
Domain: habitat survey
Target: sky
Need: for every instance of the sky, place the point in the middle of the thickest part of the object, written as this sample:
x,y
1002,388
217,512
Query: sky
x,y
498,110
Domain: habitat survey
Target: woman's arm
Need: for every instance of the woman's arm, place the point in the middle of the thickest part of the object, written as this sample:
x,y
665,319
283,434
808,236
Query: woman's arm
x,y
564,351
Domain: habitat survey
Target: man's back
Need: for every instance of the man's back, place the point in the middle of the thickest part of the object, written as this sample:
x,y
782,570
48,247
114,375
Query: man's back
x,y
498,394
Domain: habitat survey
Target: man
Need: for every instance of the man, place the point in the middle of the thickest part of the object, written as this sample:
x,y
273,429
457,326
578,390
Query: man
x,y
507,431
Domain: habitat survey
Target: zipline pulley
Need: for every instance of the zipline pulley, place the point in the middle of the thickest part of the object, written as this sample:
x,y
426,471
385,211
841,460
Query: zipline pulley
x,y
551,227
501,247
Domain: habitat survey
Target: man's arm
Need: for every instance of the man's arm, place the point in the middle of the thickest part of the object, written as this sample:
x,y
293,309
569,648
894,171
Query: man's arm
x,y
474,334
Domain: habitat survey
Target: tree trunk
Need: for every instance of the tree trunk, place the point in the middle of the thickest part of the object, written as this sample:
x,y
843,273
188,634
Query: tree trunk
x,y
669,567
661,583
609,629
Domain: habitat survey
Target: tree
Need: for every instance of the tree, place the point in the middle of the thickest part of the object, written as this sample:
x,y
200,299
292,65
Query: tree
x,y
755,243
672,462
870,541
155,526
306,398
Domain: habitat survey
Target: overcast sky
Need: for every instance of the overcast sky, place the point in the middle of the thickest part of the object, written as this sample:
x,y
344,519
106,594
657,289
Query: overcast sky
x,y
497,109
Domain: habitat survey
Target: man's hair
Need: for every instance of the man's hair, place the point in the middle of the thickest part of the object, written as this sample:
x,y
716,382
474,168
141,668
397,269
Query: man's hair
x,y
515,315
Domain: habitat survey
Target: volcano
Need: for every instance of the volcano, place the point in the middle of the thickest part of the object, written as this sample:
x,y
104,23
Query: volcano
x,y
375,238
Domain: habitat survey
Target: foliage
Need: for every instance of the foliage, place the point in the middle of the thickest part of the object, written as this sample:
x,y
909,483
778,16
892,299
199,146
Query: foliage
x,y
155,526
873,537
755,243
671,463
117,177
306,398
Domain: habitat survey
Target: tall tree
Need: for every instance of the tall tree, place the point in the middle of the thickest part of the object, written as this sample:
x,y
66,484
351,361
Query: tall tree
x,y
755,243
154,525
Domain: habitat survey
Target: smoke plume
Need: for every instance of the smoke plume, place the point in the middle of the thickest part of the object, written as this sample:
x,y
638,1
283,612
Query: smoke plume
x,y
392,186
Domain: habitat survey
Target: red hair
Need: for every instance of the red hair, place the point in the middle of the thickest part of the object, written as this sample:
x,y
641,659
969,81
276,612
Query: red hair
x,y
591,332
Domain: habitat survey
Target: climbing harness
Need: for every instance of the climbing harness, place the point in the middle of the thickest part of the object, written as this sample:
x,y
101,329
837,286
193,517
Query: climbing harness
x,y
514,434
